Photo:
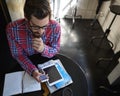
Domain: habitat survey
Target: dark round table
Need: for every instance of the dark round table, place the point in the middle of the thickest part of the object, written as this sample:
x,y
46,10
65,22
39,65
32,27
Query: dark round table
x,y
79,87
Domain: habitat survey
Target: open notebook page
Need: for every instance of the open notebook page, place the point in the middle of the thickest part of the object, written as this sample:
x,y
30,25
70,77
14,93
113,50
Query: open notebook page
x,y
13,83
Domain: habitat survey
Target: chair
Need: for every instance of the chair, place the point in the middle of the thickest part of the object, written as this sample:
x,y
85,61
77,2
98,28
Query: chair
x,y
109,90
110,63
74,12
97,12
116,10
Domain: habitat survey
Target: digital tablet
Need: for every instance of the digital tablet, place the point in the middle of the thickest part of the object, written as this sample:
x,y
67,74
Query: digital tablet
x,y
53,74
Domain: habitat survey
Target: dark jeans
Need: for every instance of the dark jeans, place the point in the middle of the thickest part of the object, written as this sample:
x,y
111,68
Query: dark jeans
x,y
38,59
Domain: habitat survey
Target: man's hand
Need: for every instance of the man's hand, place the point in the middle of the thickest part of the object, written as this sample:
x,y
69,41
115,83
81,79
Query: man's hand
x,y
36,74
38,44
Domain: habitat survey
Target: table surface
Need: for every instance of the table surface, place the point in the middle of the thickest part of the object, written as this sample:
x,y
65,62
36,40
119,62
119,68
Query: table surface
x,y
79,86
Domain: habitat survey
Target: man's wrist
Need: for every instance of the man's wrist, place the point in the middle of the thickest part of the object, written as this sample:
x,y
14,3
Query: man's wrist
x,y
42,48
35,72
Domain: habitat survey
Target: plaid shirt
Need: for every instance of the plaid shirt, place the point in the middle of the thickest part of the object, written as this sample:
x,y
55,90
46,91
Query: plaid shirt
x,y
20,42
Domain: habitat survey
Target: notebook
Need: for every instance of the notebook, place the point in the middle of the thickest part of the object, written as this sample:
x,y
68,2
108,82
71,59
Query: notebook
x,y
13,83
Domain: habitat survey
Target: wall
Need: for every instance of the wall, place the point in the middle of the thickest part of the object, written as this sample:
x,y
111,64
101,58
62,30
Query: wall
x,y
114,75
114,35
86,8
15,8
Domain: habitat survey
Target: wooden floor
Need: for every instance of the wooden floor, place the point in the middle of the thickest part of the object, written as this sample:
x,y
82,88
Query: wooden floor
x,y
76,43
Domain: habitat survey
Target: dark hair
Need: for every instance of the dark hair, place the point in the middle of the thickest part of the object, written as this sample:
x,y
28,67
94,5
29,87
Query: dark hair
x,y
38,8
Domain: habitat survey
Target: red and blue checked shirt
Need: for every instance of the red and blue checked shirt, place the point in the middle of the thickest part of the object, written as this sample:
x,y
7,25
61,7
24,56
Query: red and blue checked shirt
x,y
20,42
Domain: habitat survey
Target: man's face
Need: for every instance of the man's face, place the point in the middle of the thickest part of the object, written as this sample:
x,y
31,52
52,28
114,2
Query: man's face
x,y
38,26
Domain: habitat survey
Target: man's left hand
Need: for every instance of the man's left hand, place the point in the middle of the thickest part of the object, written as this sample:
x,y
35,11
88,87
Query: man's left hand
x,y
37,44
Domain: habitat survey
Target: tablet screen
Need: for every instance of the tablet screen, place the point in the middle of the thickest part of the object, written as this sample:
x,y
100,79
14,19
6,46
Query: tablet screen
x,y
54,75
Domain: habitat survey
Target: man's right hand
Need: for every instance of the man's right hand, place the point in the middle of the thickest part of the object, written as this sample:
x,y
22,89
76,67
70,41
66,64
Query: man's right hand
x,y
36,74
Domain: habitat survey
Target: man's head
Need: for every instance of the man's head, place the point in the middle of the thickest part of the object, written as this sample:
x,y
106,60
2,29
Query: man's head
x,y
38,14
37,8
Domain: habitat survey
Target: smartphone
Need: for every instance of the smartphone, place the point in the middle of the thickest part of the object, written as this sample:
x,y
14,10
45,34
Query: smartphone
x,y
43,78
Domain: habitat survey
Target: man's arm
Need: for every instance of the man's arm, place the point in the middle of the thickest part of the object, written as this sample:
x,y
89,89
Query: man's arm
x,y
50,51
18,52
51,48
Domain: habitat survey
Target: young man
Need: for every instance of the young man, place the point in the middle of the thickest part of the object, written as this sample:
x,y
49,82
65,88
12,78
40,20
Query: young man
x,y
35,34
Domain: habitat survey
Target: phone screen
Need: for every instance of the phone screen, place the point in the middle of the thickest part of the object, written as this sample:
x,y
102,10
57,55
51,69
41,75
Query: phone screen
x,y
43,78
